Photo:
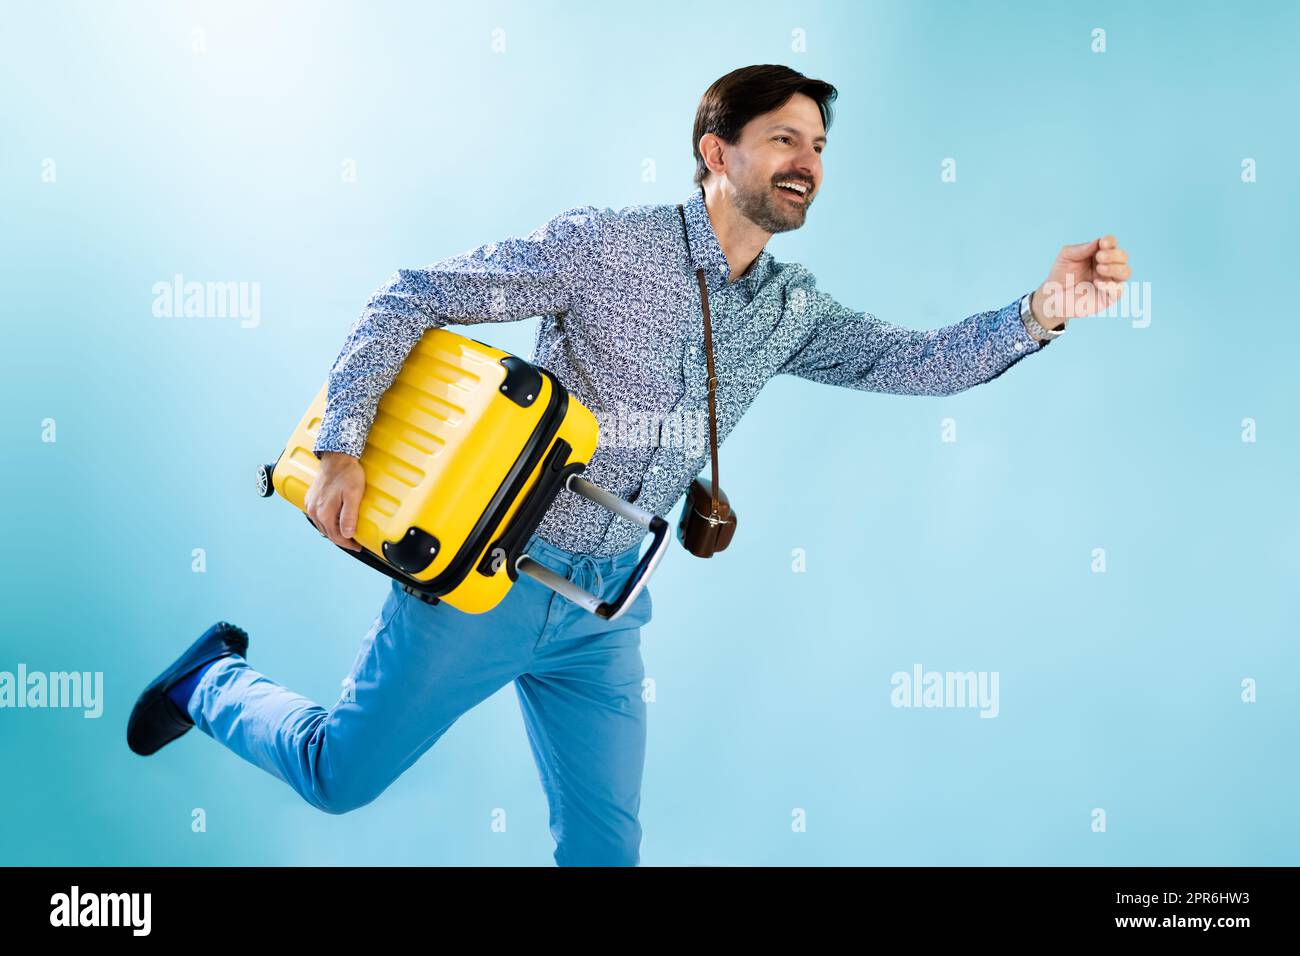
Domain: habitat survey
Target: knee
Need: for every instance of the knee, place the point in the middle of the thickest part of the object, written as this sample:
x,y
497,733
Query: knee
x,y
341,796
339,773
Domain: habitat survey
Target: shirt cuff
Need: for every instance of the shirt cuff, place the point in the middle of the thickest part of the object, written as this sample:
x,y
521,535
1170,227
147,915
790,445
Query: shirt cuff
x,y
340,433
1024,342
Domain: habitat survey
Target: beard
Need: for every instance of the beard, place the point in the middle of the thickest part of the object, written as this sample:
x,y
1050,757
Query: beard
x,y
764,208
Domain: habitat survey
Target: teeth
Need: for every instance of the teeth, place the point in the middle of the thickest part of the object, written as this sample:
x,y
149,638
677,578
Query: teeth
x,y
799,187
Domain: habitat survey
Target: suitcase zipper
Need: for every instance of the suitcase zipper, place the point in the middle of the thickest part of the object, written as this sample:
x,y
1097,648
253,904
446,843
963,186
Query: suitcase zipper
x,y
556,469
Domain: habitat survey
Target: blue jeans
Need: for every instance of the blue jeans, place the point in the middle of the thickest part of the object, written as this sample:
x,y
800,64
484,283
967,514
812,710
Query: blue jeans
x,y
579,683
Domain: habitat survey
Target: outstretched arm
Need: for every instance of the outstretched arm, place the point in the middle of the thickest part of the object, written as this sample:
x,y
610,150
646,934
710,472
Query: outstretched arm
x,y
856,350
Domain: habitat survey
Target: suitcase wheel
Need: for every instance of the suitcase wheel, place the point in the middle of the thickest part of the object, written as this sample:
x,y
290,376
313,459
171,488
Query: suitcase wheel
x,y
264,486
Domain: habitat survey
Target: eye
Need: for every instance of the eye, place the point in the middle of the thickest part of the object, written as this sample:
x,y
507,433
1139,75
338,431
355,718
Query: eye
x,y
786,138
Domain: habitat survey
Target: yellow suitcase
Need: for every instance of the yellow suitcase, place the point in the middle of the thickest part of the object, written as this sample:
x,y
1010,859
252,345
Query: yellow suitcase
x,y
469,447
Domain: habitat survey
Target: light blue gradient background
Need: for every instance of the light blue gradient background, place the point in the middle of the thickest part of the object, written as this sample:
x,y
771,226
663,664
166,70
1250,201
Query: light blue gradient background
x,y
1118,690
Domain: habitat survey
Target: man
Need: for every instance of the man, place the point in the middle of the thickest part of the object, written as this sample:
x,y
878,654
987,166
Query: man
x,y
622,329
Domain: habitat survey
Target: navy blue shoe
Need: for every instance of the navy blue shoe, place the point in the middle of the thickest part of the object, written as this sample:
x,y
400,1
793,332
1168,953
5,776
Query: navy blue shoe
x,y
156,720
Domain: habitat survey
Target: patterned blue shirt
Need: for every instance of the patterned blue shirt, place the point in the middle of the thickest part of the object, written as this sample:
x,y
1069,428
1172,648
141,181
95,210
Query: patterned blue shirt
x,y
622,328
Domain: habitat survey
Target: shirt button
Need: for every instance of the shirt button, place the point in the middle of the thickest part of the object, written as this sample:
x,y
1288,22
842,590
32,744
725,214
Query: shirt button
x,y
1020,346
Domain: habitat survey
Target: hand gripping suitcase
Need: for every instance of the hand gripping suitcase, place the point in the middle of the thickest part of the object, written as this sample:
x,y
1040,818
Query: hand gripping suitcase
x,y
469,447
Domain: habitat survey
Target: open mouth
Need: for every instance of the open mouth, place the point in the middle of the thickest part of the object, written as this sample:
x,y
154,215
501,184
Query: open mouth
x,y
794,191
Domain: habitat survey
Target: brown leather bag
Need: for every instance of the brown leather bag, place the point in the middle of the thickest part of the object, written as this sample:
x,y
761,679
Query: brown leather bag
x,y
707,521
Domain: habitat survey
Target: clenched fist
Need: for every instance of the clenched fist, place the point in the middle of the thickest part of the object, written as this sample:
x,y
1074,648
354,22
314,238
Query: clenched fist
x,y
1085,279
334,499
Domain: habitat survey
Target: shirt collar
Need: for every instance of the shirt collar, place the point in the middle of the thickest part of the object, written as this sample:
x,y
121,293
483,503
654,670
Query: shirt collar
x,y
706,252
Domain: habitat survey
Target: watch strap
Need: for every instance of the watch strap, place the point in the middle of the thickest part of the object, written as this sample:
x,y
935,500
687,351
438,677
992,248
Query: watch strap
x,y
1033,326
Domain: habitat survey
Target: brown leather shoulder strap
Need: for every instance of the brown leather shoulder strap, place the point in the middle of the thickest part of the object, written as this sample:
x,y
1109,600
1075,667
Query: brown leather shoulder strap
x,y
708,358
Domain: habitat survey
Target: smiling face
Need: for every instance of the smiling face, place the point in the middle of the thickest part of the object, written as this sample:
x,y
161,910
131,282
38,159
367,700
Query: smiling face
x,y
775,170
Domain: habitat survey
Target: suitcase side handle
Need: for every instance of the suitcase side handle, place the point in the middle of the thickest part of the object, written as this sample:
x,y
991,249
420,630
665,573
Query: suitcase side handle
x,y
653,523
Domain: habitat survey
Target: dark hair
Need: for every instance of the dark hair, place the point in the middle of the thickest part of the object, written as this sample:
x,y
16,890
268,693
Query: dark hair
x,y
750,91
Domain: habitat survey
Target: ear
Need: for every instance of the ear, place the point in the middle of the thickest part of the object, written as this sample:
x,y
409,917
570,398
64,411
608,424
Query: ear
x,y
712,148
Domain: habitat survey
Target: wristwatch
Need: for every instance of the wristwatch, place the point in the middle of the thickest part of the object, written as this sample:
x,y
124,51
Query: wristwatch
x,y
1035,328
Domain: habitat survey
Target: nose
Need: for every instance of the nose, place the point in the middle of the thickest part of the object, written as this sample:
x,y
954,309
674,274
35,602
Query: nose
x,y
809,167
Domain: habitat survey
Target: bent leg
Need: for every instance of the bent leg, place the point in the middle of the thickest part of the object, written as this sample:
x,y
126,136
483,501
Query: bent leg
x,y
419,668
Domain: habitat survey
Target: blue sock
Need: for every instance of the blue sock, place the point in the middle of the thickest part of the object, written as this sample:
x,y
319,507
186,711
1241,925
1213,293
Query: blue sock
x,y
183,689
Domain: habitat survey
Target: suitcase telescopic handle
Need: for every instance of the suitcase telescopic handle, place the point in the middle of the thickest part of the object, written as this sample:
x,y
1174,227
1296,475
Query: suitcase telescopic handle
x,y
610,611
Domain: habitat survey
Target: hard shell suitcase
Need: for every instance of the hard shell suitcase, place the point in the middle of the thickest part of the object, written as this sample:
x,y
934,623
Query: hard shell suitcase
x,y
468,448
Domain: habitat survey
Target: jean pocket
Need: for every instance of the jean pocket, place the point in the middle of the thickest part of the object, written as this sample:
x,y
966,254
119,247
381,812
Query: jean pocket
x,y
642,605
398,598
649,607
